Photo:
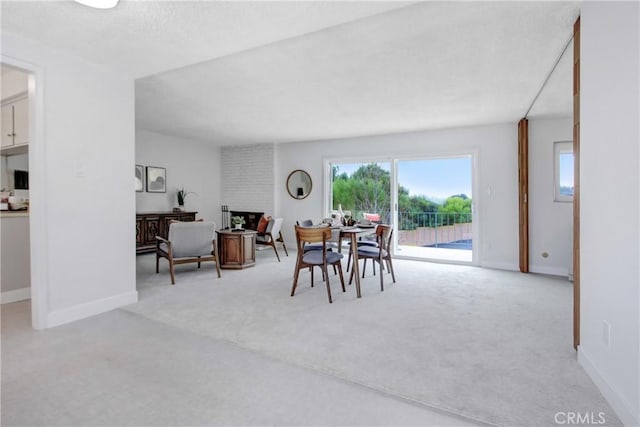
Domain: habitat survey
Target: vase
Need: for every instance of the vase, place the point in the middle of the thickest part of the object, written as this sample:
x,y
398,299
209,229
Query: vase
x,y
238,226
181,208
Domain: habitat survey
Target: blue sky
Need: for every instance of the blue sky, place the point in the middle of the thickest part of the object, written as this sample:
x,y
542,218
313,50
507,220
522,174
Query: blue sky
x,y
566,170
436,179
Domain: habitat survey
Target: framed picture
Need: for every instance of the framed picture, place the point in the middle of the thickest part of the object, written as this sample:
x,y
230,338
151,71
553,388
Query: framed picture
x,y
139,178
156,180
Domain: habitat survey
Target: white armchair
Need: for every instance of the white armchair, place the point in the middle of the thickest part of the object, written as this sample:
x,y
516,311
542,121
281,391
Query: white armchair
x,y
187,242
272,235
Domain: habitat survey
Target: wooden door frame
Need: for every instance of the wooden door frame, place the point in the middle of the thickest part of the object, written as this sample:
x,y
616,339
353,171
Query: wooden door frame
x,y
523,194
576,184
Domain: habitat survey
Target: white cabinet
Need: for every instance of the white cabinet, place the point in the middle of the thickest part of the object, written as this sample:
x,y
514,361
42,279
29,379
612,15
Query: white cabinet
x,y
15,123
7,125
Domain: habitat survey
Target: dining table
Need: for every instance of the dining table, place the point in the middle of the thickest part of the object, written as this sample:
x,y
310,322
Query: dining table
x,y
354,233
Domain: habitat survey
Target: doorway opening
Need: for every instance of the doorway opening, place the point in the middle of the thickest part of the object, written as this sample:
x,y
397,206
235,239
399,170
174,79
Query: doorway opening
x,y
28,106
435,208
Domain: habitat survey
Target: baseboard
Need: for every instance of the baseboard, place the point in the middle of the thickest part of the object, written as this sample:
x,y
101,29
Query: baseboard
x,y
499,265
619,404
15,295
553,271
82,311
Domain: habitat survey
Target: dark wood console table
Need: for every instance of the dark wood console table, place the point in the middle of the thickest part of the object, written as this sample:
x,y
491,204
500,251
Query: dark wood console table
x,y
152,224
237,249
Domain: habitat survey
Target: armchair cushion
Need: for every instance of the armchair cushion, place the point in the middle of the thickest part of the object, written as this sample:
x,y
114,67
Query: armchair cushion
x,y
262,224
191,239
272,231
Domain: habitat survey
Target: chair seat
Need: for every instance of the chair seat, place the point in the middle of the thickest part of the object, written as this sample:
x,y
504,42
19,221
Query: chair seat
x,y
372,243
370,251
315,257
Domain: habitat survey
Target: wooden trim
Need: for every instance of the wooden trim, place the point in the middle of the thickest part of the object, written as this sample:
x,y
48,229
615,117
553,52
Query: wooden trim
x,y
576,184
523,193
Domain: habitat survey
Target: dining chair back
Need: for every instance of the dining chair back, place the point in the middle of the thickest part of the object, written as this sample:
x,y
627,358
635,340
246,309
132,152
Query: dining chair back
x,y
332,243
320,258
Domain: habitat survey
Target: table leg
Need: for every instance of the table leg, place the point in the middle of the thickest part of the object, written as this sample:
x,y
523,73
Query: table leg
x,y
356,265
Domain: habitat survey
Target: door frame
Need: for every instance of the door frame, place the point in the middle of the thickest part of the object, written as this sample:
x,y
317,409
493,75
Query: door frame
x,y
392,160
38,226
475,244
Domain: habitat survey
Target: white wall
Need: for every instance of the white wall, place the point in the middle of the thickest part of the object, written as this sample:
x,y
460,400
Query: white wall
x,y
497,175
191,164
550,222
609,210
14,82
82,199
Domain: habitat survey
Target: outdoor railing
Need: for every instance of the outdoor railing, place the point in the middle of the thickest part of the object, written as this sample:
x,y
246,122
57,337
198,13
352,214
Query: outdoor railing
x,y
413,220
436,229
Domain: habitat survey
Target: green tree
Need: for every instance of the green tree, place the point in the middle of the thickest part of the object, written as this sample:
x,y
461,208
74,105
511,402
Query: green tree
x,y
415,211
457,209
366,190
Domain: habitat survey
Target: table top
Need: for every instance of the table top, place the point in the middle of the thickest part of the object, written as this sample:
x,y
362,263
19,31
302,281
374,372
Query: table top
x,y
236,231
357,230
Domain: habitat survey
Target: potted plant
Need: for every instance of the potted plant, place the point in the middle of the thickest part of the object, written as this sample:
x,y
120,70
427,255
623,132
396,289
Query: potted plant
x,y
237,221
182,195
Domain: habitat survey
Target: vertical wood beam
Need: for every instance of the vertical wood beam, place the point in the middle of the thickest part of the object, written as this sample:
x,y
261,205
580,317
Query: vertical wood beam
x,y
576,184
523,193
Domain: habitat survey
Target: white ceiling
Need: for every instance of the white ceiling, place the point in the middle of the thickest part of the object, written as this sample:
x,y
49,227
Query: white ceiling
x,y
251,72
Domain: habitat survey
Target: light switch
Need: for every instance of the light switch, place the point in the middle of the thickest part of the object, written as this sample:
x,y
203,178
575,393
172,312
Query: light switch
x,y
80,168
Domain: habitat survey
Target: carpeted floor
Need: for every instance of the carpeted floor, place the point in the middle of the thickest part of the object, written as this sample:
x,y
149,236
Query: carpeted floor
x,y
491,345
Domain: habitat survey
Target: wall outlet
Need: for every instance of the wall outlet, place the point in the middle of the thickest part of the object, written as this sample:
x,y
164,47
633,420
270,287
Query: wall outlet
x,y
606,333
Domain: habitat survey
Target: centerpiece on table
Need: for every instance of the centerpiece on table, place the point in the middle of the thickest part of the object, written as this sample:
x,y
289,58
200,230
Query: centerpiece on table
x,y
237,222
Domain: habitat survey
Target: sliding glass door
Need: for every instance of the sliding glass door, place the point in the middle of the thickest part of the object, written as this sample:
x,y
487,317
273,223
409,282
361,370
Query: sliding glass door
x,y
428,201
435,216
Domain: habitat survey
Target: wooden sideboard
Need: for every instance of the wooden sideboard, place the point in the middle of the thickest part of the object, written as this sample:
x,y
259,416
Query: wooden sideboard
x,y
152,224
236,249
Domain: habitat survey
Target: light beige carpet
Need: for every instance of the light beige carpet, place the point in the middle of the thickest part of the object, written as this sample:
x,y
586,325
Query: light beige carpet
x,y
492,345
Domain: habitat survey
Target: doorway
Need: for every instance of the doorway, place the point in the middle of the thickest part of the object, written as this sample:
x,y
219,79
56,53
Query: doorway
x,y
435,208
32,108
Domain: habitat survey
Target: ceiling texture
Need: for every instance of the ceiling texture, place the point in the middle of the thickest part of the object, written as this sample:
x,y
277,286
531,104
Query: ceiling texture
x,y
248,72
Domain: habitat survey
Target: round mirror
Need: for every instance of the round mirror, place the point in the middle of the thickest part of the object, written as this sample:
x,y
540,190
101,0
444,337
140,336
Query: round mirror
x,y
299,184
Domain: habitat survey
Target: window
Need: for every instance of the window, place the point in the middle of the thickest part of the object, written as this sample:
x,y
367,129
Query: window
x,y
361,188
563,157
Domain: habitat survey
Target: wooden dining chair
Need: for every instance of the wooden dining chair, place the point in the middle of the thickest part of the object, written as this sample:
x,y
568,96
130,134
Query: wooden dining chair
x,y
316,258
361,242
384,236
330,245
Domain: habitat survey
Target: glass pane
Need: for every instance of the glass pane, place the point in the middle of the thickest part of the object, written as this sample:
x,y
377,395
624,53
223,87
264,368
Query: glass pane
x,y
434,208
362,188
566,174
